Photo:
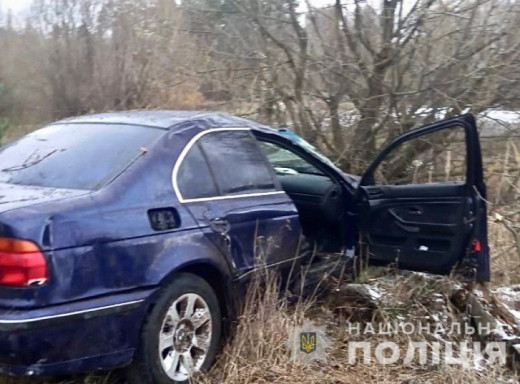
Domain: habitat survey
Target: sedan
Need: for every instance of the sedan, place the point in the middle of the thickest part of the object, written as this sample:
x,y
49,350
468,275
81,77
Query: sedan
x,y
126,237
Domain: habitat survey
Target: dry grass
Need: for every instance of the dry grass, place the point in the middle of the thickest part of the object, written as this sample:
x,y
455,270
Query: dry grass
x,y
256,353
505,258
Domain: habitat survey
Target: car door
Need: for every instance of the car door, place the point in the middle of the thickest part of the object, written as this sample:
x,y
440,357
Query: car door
x,y
421,203
224,180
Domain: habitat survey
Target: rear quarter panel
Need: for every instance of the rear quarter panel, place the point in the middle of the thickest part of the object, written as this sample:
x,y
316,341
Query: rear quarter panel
x,y
102,243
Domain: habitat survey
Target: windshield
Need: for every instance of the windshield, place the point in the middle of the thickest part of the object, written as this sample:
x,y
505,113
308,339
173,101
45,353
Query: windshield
x,y
73,156
286,162
304,144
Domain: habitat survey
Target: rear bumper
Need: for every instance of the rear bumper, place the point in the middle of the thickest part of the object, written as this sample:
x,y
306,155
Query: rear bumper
x,y
89,335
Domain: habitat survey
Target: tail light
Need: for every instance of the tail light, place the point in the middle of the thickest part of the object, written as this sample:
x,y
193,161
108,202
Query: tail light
x,y
22,263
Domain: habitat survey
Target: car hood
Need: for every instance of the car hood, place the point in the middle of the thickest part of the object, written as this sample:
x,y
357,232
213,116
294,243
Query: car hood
x,y
19,196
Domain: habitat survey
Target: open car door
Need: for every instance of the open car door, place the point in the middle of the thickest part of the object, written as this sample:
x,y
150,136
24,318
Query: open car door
x,y
421,203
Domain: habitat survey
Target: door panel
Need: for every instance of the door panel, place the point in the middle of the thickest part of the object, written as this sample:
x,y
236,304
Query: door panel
x,y
416,232
421,225
257,230
225,181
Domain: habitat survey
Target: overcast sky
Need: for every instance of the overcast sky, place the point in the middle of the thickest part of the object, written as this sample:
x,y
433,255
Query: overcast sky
x,y
14,5
20,5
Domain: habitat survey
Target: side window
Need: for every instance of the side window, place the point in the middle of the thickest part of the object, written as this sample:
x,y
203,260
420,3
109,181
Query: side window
x,y
194,178
286,162
435,157
237,162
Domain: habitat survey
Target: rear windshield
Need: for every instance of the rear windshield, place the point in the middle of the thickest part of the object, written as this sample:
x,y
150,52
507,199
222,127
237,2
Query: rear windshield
x,y
73,156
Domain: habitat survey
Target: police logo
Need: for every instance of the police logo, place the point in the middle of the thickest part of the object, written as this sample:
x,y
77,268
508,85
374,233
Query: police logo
x,y
308,342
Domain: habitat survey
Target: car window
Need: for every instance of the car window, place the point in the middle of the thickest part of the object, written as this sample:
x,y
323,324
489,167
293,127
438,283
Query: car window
x,y
305,144
194,178
74,156
434,157
286,162
238,164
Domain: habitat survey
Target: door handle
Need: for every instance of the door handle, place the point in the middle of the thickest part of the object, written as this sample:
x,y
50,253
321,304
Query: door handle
x,y
414,211
407,228
374,192
219,225
404,225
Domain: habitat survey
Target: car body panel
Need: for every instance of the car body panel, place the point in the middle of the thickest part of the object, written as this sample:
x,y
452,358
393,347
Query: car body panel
x,y
269,222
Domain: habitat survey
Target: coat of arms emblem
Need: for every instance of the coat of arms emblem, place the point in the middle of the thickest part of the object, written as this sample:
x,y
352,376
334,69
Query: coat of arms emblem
x,y
308,342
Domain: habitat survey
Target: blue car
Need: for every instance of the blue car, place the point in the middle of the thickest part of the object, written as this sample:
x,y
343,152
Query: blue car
x,y
126,237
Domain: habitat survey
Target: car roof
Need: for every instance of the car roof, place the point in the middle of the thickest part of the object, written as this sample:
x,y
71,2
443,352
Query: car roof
x,y
164,119
177,120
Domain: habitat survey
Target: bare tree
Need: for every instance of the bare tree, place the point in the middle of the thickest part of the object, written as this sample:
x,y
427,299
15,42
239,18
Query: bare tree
x,y
388,68
347,76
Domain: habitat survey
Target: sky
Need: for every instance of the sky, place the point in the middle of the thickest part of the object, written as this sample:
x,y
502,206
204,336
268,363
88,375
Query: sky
x,y
14,5
20,5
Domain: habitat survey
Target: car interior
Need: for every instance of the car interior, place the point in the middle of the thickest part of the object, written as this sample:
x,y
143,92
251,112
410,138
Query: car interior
x,y
315,194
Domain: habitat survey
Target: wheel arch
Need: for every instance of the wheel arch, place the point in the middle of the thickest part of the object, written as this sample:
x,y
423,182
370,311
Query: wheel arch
x,y
217,279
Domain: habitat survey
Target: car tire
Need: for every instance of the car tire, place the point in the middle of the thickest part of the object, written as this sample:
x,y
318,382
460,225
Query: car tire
x,y
186,317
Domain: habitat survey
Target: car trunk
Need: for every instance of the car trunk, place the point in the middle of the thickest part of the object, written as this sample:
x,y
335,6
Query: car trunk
x,y
19,223
19,196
